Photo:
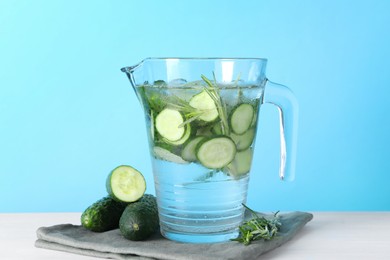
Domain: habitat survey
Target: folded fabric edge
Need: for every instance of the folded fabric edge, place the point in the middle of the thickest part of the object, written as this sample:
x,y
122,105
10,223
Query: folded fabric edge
x,y
40,243
296,221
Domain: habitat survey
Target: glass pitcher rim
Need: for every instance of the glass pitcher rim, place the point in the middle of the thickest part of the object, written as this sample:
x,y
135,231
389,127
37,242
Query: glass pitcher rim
x,y
125,68
204,58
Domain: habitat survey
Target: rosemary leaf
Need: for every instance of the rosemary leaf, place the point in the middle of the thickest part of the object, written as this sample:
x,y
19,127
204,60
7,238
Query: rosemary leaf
x,y
258,228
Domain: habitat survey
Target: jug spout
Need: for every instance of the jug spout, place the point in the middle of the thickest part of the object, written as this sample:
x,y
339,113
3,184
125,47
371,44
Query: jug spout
x,y
130,72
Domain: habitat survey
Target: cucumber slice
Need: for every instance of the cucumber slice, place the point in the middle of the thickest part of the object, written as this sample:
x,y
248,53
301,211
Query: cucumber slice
x,y
216,152
189,151
166,155
184,138
245,140
241,164
204,103
168,123
241,118
125,184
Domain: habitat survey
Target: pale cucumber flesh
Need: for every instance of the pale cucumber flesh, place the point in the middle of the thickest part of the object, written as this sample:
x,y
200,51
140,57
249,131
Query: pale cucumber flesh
x,y
217,152
241,118
169,124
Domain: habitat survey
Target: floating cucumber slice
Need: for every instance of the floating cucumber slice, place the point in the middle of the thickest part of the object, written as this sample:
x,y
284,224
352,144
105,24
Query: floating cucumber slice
x,y
166,155
245,140
125,184
216,152
204,103
183,139
189,151
241,118
241,164
168,123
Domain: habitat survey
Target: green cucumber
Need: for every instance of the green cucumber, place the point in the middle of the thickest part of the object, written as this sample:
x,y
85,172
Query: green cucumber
x,y
164,154
216,152
241,164
204,103
125,184
245,140
189,151
241,118
103,215
183,139
168,124
140,219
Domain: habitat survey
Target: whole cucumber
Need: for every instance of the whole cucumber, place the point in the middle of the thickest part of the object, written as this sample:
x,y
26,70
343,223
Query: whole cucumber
x,y
103,215
140,219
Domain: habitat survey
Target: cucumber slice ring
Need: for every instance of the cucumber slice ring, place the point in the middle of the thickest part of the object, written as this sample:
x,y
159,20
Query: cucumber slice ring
x,y
168,123
183,139
245,140
241,164
164,154
189,151
205,103
241,118
125,184
217,152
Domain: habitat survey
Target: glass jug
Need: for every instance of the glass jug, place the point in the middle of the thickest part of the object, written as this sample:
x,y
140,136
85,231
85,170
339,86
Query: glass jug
x,y
201,117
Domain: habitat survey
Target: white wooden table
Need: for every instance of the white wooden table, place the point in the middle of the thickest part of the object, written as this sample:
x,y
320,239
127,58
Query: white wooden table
x,y
330,235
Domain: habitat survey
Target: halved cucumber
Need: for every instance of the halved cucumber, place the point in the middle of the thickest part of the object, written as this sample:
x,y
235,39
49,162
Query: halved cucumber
x,y
168,123
216,152
125,184
166,155
245,140
189,151
241,118
241,164
204,103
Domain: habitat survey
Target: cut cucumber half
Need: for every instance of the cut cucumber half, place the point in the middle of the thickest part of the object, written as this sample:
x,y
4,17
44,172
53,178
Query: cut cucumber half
x,y
241,118
125,184
184,138
216,152
168,123
189,151
204,103
241,164
164,154
245,140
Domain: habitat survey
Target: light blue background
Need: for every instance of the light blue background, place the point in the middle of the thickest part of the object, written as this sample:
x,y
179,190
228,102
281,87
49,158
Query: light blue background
x,y
68,115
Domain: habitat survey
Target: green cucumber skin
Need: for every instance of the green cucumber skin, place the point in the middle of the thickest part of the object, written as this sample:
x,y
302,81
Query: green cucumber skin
x,y
189,150
205,140
103,215
165,124
140,219
109,187
249,121
245,140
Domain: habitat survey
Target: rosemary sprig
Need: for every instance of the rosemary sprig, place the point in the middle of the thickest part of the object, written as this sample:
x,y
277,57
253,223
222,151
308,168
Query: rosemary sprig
x,y
213,92
258,228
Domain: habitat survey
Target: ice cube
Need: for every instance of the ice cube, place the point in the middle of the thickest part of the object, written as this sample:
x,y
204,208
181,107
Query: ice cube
x,y
177,82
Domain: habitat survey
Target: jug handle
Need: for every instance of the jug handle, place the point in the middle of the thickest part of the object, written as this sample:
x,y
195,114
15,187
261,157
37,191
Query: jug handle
x,y
284,99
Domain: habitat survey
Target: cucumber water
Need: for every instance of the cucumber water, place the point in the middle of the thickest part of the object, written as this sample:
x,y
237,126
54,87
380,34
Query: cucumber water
x,y
201,137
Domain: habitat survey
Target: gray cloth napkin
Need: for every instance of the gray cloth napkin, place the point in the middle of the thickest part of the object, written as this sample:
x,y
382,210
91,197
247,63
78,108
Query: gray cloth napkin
x,y
111,244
